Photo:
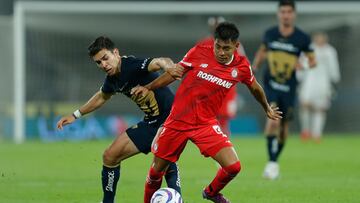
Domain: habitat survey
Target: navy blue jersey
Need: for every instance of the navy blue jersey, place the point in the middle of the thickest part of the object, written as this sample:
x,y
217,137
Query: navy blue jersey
x,y
282,56
133,72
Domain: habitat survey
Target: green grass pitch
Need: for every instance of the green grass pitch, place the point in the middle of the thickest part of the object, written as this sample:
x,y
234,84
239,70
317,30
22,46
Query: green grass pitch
x,y
69,172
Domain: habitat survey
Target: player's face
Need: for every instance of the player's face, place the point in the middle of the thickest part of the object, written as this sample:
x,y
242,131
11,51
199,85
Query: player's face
x,y
224,50
286,15
320,40
108,61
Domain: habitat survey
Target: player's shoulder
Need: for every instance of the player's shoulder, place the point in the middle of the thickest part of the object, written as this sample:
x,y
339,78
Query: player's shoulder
x,y
200,50
272,30
127,60
204,47
301,34
208,41
241,61
130,61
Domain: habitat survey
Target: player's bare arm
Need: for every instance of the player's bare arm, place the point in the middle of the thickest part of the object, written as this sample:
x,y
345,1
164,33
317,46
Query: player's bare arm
x,y
257,91
260,56
162,81
96,101
167,65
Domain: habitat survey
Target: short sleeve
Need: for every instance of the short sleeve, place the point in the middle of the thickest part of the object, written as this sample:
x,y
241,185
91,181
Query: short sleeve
x,y
265,39
141,64
307,48
108,87
247,76
189,59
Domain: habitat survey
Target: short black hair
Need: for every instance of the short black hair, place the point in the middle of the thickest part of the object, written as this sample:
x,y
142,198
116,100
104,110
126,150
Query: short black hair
x,y
287,3
226,31
100,43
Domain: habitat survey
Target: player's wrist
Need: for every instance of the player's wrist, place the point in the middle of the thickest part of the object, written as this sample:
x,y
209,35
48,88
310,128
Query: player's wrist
x,y
148,87
77,114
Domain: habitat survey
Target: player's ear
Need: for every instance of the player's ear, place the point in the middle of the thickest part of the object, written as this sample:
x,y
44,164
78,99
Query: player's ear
x,y
116,51
237,44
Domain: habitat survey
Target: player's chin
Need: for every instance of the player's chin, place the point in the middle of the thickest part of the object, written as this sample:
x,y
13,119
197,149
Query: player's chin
x,y
110,73
221,60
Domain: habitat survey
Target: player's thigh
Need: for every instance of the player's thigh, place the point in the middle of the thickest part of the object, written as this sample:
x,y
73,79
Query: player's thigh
x,y
284,131
121,148
210,140
287,106
142,135
169,144
286,103
272,126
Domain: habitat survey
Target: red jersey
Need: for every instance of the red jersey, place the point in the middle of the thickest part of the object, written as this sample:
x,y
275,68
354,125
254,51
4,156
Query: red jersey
x,y
229,106
204,86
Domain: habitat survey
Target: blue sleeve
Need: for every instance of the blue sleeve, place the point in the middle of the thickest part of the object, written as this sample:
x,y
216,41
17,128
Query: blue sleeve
x,y
265,39
141,64
307,45
108,87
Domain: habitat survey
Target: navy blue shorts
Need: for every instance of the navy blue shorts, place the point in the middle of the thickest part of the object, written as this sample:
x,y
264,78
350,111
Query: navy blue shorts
x,y
284,100
143,133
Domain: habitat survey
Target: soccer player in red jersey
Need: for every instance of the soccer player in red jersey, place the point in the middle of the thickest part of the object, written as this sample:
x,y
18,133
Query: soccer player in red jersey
x,y
210,72
229,104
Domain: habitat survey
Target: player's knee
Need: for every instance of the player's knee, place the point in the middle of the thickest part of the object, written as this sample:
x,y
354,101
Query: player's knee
x,y
108,158
233,169
273,125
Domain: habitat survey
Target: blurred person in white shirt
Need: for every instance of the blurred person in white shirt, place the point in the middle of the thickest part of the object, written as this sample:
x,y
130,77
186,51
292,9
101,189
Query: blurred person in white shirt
x,y
317,88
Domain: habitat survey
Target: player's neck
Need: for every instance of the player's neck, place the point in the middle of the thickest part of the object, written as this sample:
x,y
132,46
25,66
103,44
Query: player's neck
x,y
119,66
286,30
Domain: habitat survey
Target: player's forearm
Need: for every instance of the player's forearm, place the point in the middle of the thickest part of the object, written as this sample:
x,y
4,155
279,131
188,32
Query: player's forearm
x,y
260,56
162,81
166,63
93,103
259,94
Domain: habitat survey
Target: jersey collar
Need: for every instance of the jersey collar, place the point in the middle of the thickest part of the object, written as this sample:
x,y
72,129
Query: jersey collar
x,y
232,58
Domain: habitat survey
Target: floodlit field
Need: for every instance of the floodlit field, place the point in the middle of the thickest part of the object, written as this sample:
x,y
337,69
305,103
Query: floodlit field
x,y
70,173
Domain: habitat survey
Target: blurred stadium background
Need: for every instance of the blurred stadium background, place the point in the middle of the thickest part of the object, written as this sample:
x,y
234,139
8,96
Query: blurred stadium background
x,y
58,75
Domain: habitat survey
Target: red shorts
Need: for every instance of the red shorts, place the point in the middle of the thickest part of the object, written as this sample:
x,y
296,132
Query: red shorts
x,y
170,143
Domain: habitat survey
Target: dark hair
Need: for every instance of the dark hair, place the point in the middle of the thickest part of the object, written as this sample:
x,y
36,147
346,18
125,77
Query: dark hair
x,y
100,43
287,3
226,31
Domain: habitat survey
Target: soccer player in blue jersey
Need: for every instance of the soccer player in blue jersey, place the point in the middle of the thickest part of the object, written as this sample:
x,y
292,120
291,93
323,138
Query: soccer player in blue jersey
x,y
122,74
281,46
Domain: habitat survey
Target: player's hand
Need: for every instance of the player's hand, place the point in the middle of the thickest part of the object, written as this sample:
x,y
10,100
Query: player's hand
x,y
139,90
299,66
274,113
254,69
176,71
65,121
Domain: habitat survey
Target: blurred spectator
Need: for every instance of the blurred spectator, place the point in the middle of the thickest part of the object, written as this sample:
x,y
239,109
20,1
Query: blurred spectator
x,y
317,88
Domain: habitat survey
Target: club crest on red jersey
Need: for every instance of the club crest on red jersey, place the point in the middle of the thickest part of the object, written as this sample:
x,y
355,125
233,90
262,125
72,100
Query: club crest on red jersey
x,y
234,73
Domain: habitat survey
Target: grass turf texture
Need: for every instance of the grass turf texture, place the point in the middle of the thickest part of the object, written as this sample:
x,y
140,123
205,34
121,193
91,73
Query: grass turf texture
x,y
68,172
